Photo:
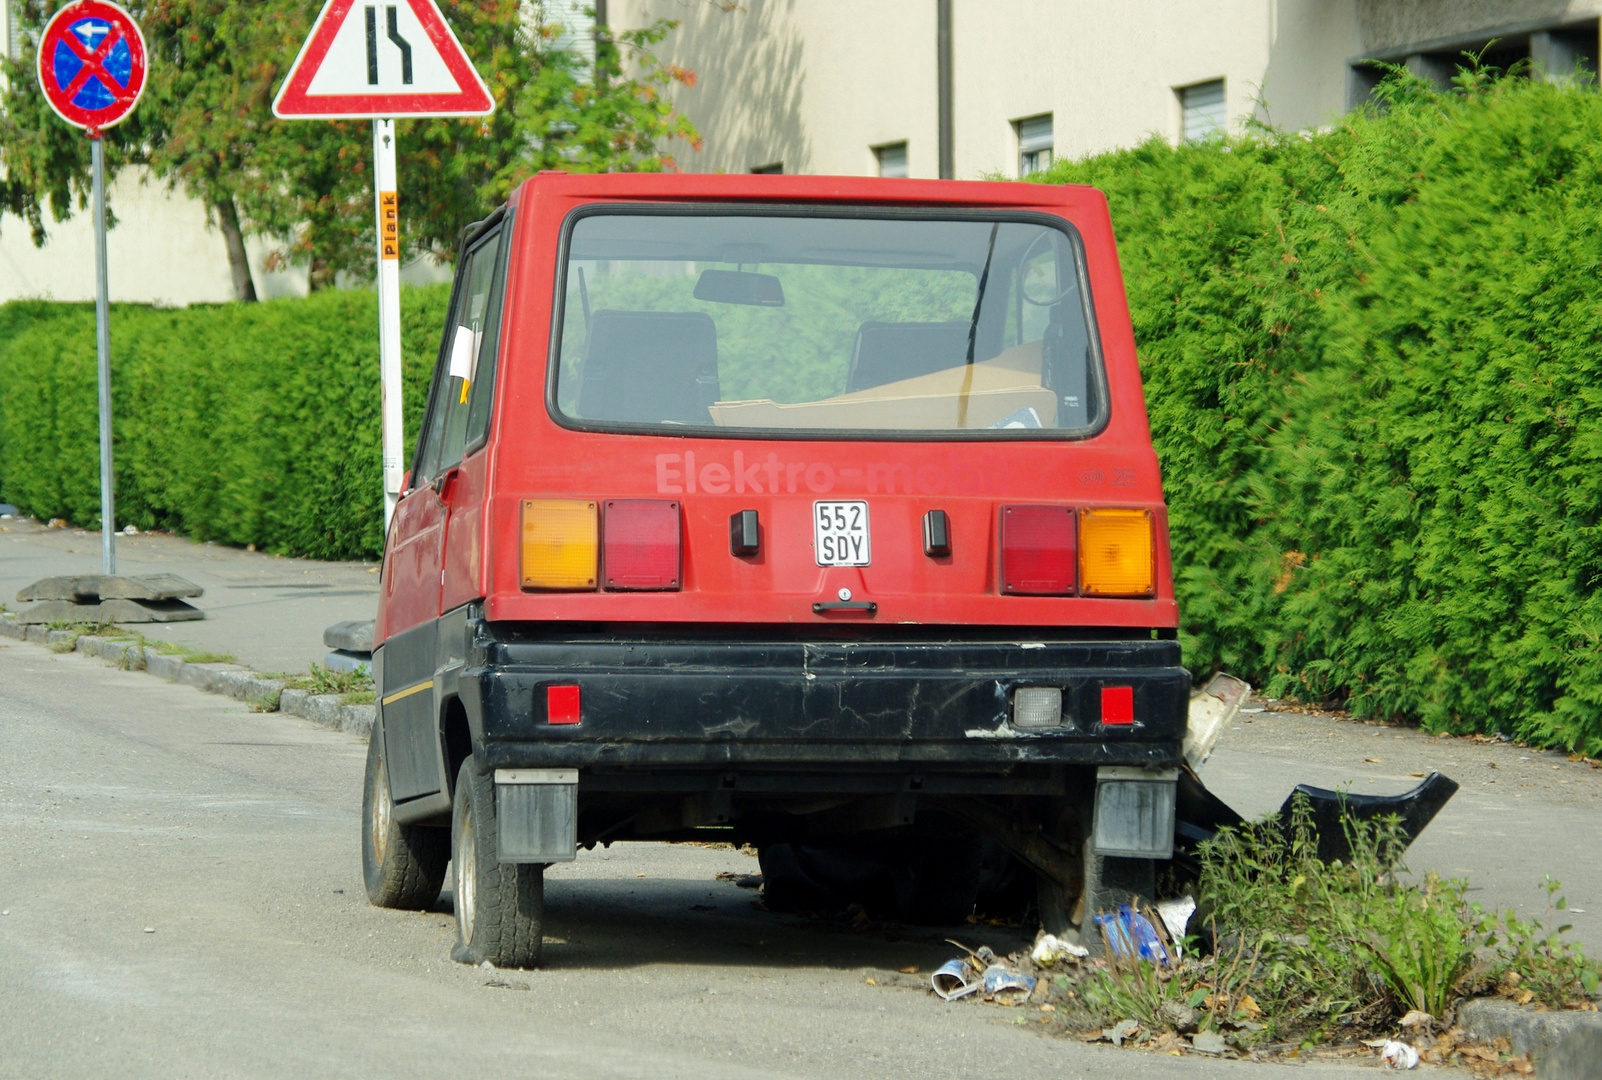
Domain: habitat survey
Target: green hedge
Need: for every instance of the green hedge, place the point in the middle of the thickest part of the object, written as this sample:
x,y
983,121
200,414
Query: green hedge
x,y
1373,357
237,423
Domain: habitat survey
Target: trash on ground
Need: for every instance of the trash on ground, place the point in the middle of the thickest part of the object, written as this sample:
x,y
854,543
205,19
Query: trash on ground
x,y
1124,1029
952,980
1050,949
1006,986
1399,1055
1130,935
1175,915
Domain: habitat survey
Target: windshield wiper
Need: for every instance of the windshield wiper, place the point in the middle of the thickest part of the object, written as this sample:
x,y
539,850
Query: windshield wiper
x,y
973,330
979,302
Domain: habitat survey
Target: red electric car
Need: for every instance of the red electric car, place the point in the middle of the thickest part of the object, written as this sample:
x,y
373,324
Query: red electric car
x,y
808,512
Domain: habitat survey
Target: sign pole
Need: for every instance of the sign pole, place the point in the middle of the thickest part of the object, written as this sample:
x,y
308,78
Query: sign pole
x,y
108,510
387,206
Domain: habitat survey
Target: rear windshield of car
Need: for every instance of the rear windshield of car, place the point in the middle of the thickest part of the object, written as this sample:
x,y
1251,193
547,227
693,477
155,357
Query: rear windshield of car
x,y
797,324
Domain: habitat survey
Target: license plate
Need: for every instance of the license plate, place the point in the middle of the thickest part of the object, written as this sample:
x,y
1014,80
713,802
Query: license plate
x,y
841,533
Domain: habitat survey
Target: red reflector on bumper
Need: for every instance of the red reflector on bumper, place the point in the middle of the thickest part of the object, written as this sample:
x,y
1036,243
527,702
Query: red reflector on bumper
x,y
1118,705
1037,550
640,544
561,704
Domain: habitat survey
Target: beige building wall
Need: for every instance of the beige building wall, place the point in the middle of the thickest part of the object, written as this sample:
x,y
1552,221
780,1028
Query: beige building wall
x,y
162,251
816,84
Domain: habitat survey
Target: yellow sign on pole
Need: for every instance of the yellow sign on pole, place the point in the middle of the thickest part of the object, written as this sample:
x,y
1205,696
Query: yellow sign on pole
x,y
389,224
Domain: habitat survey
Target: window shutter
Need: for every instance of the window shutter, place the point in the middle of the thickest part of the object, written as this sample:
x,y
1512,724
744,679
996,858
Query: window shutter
x,y
1203,107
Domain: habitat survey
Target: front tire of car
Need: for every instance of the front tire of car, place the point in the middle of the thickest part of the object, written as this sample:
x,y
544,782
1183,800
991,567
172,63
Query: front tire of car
x,y
500,907
403,866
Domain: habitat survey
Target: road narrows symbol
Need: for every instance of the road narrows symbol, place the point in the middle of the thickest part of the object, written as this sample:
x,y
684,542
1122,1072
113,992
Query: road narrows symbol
x,y
402,44
360,62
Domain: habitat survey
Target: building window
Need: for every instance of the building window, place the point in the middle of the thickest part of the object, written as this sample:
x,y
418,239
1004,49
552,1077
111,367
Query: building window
x,y
13,38
1201,109
574,23
773,168
1034,144
892,159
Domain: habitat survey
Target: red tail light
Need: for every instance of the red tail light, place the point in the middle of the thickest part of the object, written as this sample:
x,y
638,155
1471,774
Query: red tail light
x,y
640,545
1037,550
1118,705
561,704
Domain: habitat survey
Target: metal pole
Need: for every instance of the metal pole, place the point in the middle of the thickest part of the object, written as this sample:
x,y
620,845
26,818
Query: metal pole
x,y
947,135
387,206
108,508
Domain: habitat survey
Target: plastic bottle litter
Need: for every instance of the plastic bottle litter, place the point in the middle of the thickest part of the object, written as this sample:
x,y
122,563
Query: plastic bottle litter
x,y
1130,935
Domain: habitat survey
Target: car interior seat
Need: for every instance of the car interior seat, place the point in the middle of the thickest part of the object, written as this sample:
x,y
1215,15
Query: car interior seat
x,y
887,352
649,367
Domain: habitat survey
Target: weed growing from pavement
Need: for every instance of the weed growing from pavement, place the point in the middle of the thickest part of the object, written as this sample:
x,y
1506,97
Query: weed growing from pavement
x,y
77,630
1306,952
322,680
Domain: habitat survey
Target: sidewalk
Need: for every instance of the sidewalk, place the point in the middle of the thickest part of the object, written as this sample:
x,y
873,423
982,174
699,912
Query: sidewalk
x,y
268,612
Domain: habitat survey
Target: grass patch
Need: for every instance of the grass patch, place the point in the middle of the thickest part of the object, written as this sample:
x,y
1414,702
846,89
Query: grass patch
x,y
322,680
1307,953
77,629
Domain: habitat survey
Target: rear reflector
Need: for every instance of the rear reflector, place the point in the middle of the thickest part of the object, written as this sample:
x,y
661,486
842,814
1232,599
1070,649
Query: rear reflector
x,y
560,544
1037,550
1118,705
640,544
1037,706
561,704
1115,553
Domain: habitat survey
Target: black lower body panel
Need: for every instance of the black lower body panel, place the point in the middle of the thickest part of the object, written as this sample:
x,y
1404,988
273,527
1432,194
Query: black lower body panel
x,y
685,704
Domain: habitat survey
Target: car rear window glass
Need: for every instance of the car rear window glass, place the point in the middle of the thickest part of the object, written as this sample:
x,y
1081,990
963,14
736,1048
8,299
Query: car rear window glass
x,y
739,323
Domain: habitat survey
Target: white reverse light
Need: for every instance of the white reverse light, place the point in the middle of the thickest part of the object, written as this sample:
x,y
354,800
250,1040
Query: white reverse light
x,y
1037,707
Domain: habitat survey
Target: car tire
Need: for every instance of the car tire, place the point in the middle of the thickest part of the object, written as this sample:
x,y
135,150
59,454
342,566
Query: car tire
x,y
1111,881
938,882
403,866
500,907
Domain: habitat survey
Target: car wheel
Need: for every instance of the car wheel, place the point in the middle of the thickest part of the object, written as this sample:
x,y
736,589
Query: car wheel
x,y
1109,882
500,907
937,879
403,866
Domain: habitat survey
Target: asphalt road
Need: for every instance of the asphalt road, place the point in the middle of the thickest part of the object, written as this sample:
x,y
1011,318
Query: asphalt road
x,y
182,893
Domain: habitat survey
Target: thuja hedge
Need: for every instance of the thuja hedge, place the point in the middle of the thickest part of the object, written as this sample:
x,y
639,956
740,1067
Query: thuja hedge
x,y
1373,360
237,423
1373,357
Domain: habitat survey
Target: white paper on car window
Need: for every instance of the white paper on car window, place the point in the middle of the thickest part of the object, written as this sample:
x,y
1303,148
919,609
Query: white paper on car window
x,y
463,349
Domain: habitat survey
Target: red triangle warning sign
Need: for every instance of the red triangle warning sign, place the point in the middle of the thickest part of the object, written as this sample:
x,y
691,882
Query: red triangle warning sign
x,y
379,59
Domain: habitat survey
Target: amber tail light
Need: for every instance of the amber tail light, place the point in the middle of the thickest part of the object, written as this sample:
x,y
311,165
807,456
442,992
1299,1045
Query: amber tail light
x,y
640,545
560,544
1117,552
1037,550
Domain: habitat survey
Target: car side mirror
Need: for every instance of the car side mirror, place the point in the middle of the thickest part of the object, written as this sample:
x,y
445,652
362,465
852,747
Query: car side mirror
x,y
739,287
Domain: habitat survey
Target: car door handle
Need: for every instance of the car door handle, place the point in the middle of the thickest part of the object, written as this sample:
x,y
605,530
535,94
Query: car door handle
x,y
445,482
867,606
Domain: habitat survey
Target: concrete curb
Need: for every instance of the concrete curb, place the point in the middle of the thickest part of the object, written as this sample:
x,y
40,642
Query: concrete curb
x,y
1530,1031
229,680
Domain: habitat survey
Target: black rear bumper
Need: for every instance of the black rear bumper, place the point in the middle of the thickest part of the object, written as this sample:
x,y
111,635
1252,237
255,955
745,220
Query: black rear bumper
x,y
677,702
